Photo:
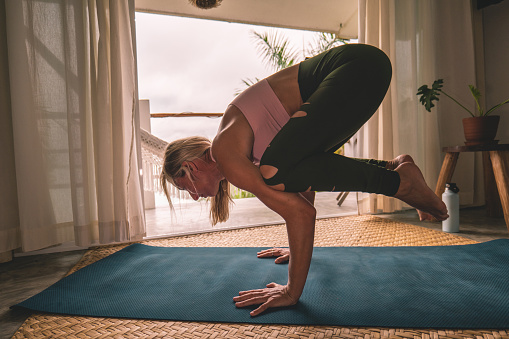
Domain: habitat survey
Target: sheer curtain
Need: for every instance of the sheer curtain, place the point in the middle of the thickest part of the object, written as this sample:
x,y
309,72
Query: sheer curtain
x,y
425,40
75,121
9,219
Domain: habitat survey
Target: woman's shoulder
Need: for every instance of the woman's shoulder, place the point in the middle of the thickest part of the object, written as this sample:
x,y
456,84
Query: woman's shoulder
x,y
234,134
232,116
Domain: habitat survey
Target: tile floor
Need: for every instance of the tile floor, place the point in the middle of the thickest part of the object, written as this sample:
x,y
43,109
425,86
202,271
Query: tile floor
x,y
28,275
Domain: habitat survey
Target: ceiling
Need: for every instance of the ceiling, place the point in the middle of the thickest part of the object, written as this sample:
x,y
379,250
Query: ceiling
x,y
333,16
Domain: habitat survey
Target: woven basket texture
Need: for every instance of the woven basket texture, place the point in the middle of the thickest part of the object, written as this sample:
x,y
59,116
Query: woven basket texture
x,y
346,231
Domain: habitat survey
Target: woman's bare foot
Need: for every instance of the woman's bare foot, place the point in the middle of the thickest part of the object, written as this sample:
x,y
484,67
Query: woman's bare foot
x,y
393,164
414,191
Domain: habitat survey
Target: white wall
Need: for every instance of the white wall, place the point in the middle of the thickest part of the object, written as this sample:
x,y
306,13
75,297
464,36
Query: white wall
x,y
496,58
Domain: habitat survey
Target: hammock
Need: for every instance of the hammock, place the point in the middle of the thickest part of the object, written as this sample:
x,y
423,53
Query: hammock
x,y
152,153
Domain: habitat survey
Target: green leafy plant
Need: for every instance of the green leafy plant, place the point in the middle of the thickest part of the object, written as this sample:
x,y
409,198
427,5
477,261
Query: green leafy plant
x,y
428,95
323,42
237,193
277,52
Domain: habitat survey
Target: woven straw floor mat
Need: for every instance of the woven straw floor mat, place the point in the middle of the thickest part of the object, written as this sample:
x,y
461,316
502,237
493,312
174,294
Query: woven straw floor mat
x,y
347,231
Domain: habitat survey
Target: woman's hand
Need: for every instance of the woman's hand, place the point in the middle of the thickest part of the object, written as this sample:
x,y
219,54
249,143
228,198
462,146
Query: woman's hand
x,y
274,295
282,254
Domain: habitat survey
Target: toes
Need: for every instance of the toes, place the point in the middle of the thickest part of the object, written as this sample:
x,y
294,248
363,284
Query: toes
x,y
406,158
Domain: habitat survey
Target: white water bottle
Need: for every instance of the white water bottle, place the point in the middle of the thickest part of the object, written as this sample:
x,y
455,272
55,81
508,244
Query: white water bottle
x,y
452,201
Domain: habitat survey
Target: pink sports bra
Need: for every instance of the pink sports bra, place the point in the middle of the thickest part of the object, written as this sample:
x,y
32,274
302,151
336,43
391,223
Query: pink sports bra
x,y
265,114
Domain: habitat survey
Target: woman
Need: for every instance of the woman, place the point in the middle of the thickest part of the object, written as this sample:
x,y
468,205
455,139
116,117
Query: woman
x,y
277,140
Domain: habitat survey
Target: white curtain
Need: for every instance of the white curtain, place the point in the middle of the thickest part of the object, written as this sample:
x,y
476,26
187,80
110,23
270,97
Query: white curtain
x,y
425,40
75,121
9,218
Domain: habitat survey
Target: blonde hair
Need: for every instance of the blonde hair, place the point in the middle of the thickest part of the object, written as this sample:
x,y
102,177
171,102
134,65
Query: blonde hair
x,y
189,149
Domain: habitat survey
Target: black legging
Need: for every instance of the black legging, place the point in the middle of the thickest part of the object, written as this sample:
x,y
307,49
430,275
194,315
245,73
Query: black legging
x,y
341,89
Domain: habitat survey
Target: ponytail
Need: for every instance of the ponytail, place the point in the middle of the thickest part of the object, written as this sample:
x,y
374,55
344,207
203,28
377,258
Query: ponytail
x,y
220,204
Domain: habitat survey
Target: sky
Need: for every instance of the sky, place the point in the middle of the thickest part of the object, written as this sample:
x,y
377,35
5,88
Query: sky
x,y
197,65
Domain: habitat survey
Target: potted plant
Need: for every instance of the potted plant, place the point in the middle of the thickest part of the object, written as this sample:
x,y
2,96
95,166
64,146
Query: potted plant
x,y
480,128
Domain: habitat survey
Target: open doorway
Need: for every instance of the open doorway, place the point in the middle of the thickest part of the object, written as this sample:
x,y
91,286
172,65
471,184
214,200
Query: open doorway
x,y
197,65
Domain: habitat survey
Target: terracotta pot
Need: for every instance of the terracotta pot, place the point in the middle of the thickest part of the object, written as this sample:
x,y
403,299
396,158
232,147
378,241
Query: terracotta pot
x,y
481,130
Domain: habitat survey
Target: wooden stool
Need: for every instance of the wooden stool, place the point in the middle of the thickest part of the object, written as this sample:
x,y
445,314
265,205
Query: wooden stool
x,y
496,175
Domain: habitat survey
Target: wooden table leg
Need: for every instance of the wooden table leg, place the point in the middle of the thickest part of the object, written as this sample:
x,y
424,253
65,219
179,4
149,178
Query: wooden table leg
x,y
500,162
493,205
446,172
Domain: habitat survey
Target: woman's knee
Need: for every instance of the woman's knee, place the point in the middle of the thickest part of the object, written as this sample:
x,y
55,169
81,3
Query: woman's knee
x,y
379,61
371,59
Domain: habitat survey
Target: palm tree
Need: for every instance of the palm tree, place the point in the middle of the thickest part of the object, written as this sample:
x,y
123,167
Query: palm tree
x,y
277,52
325,41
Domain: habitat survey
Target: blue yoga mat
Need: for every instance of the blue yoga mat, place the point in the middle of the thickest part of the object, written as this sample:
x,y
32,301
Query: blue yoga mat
x,y
463,286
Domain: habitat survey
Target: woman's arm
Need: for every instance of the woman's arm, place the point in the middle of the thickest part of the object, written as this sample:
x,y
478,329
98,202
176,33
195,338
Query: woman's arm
x,y
299,215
